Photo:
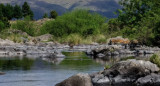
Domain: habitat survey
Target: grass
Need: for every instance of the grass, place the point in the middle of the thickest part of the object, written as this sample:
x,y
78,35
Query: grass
x,y
76,39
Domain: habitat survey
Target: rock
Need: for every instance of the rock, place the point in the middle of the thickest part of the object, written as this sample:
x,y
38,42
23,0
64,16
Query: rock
x,y
100,55
100,80
77,80
45,37
122,81
150,80
131,68
2,73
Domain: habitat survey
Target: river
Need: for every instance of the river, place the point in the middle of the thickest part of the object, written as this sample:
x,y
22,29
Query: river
x,y
28,71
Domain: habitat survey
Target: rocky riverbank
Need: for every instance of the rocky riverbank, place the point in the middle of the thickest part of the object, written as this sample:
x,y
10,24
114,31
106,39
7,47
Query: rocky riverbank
x,y
38,49
9,48
118,50
131,72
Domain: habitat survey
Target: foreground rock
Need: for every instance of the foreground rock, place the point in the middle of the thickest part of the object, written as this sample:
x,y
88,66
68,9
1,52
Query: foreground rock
x,y
131,72
77,80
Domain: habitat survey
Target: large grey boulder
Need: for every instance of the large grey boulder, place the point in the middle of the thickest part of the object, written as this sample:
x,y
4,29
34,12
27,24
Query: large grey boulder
x,y
129,68
77,80
150,80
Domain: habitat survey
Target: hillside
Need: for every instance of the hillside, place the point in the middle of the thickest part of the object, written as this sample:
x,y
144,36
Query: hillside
x,y
104,7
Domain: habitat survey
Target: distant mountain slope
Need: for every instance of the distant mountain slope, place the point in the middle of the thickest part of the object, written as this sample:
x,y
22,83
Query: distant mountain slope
x,y
104,7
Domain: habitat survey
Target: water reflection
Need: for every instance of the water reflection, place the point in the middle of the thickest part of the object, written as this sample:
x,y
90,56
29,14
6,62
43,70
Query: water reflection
x,y
78,60
16,63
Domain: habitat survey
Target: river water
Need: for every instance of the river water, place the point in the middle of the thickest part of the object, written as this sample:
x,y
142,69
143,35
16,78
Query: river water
x,y
28,71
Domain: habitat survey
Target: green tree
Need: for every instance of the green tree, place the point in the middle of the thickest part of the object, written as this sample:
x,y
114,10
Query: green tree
x,y
1,11
27,11
17,12
45,15
53,14
8,11
134,10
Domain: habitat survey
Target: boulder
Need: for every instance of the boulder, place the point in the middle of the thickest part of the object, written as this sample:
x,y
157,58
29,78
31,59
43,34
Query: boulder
x,y
149,80
77,80
132,68
100,80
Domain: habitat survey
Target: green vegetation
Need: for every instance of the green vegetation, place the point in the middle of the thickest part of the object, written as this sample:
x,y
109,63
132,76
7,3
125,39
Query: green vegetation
x,y
8,12
53,14
155,59
27,11
45,15
18,12
138,19
78,21
26,26
107,66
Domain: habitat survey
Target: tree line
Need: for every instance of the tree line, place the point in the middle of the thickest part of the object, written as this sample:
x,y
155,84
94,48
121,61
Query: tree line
x,y
9,12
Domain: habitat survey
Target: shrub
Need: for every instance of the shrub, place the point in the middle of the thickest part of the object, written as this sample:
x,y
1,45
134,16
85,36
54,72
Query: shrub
x,y
25,25
155,59
78,21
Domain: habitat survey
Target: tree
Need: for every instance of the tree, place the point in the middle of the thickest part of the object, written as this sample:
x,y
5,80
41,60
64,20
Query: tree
x,y
134,10
8,11
17,12
53,14
27,11
45,15
1,11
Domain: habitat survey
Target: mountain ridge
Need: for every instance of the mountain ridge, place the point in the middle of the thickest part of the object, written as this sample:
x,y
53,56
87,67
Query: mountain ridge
x,y
39,7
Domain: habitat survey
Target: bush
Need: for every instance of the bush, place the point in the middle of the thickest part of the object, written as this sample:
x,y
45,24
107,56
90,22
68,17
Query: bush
x,y
78,21
155,59
25,25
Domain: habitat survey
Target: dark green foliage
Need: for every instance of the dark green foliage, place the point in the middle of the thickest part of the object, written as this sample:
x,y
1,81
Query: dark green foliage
x,y
8,11
53,14
78,21
27,11
2,25
17,12
45,15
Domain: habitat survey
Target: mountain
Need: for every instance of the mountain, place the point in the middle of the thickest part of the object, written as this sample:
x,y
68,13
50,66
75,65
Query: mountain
x,y
39,7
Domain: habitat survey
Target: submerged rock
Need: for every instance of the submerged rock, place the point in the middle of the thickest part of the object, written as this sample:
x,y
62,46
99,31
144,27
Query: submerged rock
x,y
2,73
77,80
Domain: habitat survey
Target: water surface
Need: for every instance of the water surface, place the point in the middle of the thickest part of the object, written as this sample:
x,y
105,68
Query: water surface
x,y
28,71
